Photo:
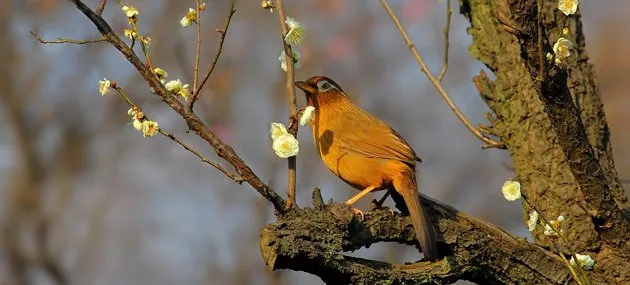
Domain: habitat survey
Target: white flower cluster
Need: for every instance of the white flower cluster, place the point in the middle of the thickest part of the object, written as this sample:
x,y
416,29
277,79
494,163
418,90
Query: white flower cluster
x,y
284,144
294,37
147,127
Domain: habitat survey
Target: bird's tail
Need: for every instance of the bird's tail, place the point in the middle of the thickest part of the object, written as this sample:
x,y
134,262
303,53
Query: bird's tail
x,y
425,233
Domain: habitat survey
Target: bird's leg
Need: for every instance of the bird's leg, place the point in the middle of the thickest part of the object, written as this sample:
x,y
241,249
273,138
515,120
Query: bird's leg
x,y
356,198
380,202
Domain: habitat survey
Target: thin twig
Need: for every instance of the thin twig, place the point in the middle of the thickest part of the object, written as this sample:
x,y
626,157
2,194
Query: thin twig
x,y
67,41
567,263
100,7
436,83
293,129
447,29
562,237
143,45
197,45
232,176
222,34
128,100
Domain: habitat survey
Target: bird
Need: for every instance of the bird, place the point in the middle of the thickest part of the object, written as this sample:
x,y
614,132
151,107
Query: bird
x,y
366,153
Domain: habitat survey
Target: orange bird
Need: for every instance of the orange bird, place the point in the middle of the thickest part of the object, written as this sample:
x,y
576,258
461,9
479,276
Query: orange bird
x,y
366,153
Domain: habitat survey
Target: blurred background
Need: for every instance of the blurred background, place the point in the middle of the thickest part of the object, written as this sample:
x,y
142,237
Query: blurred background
x,y
84,199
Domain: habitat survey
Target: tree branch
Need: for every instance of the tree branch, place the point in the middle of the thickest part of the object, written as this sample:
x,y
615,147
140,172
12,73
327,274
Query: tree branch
x,y
489,143
194,122
313,241
555,95
67,41
290,86
447,29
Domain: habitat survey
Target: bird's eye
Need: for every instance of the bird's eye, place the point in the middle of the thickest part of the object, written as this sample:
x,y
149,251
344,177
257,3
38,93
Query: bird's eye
x,y
324,86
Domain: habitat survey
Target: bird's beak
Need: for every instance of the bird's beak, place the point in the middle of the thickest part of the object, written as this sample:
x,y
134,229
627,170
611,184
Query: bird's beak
x,y
308,89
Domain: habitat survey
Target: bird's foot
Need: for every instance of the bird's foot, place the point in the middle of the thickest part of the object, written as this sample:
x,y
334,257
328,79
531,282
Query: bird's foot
x,y
356,212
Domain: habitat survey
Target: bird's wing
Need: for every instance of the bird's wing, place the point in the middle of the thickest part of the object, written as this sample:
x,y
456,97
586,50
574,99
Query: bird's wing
x,y
384,144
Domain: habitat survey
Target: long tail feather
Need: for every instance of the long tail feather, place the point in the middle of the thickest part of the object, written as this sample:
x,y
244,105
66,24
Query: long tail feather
x,y
425,232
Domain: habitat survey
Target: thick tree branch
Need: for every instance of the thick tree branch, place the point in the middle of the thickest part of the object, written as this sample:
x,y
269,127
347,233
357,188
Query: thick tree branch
x,y
554,93
194,122
558,168
314,241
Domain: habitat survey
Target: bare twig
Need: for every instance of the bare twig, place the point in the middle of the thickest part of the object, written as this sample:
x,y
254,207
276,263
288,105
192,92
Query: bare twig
x,y
582,276
447,30
436,83
232,176
197,45
293,129
194,122
100,7
67,41
222,34
128,100
143,44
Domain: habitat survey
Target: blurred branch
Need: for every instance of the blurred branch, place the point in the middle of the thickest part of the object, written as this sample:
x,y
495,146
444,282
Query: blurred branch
x,y
100,7
222,34
436,83
236,179
67,41
193,121
293,128
478,251
447,29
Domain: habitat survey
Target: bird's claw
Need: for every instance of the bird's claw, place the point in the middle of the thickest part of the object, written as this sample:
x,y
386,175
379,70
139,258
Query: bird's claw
x,y
357,212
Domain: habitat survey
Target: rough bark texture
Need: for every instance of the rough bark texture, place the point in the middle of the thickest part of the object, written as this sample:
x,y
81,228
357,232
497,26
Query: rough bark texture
x,y
313,241
548,136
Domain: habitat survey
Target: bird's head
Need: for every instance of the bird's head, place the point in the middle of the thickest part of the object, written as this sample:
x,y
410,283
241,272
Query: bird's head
x,y
321,90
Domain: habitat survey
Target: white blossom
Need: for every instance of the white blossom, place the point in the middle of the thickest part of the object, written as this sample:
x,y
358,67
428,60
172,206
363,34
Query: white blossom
x,y
277,129
296,59
130,11
511,190
568,7
584,260
285,146
296,32
149,128
533,221
562,49
104,86
307,116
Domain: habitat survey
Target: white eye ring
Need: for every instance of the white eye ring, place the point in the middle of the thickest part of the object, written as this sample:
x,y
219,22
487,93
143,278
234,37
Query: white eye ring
x,y
324,86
